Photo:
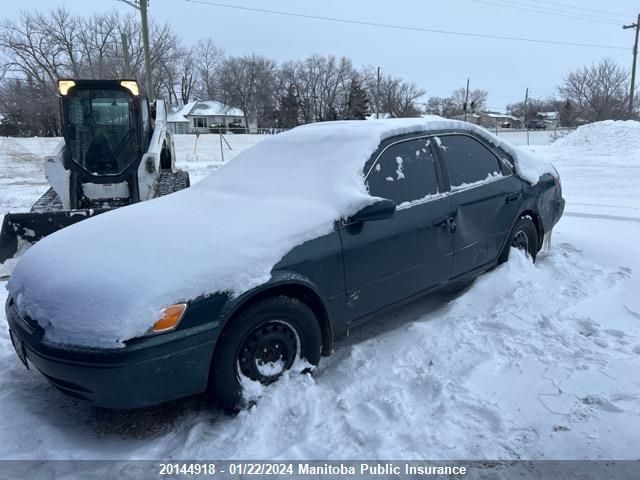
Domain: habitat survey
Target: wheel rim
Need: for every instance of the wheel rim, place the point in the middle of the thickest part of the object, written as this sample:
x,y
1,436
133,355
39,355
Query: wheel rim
x,y
267,351
521,241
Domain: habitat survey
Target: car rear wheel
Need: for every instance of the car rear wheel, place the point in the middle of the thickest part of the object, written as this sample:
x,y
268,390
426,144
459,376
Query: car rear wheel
x,y
524,236
260,344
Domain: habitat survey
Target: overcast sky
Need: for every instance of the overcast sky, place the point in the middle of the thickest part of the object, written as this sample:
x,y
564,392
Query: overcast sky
x,y
437,62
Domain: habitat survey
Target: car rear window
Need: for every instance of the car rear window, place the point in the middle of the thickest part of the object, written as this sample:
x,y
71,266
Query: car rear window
x,y
467,160
405,172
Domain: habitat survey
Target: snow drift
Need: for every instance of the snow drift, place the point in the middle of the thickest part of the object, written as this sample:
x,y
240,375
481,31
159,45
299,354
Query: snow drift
x,y
620,139
105,280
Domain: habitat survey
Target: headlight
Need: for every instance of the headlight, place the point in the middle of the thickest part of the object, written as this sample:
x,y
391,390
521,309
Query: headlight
x,y
65,85
170,318
131,85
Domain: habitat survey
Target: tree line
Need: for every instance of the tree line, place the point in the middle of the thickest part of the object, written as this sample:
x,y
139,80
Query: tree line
x,y
36,49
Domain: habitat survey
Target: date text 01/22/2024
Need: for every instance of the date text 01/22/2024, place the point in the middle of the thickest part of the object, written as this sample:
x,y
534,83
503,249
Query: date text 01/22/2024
x,y
249,468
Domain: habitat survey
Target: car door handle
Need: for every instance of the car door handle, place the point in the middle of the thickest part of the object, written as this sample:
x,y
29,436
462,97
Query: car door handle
x,y
441,222
512,198
447,221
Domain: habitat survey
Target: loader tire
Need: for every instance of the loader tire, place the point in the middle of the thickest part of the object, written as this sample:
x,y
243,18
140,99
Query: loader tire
x,y
165,158
170,182
49,202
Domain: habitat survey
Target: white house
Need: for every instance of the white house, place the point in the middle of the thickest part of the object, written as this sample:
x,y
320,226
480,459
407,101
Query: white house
x,y
202,116
551,118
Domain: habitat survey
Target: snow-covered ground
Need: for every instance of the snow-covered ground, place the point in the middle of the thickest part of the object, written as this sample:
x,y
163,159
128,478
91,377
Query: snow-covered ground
x,y
532,361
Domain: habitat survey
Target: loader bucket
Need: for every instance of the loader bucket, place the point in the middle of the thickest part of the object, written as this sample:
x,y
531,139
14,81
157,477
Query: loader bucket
x,y
31,227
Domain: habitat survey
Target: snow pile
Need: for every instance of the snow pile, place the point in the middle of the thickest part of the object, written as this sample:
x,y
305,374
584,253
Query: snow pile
x,y
620,139
509,348
106,280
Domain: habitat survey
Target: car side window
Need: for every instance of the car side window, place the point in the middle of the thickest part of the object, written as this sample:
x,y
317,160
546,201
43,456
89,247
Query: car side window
x,y
467,160
405,172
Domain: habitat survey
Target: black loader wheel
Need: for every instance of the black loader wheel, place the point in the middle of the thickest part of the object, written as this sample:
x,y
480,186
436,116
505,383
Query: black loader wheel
x,y
170,182
523,236
261,343
165,158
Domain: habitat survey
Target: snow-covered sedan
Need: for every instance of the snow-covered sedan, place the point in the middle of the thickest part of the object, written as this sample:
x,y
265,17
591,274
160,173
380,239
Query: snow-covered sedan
x,y
267,260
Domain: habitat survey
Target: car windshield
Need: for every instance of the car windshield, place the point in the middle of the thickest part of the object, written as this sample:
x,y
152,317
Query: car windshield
x,y
101,131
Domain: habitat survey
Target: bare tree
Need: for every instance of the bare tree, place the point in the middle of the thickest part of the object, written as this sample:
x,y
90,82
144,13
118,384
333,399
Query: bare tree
x,y
208,58
32,50
598,92
248,83
321,84
476,102
188,75
534,108
442,106
397,97
40,48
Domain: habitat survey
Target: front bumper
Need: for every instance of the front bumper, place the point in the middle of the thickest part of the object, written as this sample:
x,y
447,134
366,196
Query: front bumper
x,y
146,371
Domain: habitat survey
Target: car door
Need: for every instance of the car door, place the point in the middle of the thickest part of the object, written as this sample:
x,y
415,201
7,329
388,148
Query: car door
x,y
389,260
486,197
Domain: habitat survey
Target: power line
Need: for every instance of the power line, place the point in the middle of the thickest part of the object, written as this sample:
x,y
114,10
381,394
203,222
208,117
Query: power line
x,y
580,7
408,28
564,10
549,11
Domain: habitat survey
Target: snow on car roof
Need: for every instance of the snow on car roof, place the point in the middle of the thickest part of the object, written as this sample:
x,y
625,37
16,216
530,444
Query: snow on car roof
x,y
106,279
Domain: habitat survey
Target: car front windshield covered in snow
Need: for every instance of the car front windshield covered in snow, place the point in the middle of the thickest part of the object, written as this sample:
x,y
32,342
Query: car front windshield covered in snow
x,y
102,134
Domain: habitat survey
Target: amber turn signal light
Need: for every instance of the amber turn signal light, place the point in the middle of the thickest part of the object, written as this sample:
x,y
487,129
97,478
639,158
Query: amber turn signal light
x,y
170,319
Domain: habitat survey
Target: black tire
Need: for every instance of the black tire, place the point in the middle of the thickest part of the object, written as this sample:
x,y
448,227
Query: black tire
x,y
524,236
165,158
170,182
182,180
277,329
48,202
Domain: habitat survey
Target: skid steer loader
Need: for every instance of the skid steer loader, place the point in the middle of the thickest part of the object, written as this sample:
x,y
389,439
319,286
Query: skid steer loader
x,y
116,151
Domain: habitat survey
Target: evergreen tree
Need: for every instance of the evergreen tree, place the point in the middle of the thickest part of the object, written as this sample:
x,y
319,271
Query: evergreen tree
x,y
357,107
289,109
567,114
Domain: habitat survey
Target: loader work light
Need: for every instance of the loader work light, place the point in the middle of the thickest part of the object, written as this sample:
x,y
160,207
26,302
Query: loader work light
x,y
131,85
170,319
65,85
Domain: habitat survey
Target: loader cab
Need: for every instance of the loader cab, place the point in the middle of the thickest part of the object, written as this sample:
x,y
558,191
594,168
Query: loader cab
x,y
107,127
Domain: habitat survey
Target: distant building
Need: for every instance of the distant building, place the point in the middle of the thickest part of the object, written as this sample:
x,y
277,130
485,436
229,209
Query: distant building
x,y
494,119
207,117
470,117
550,118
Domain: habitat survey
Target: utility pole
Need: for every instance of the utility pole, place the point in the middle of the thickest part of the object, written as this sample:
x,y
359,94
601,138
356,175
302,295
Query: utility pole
x,y
125,54
142,5
633,67
378,95
524,118
466,101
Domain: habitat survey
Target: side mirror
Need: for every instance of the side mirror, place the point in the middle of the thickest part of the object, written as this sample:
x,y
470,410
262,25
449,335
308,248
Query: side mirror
x,y
381,210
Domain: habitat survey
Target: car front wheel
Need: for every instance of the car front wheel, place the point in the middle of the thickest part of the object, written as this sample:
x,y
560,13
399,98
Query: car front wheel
x,y
260,344
524,236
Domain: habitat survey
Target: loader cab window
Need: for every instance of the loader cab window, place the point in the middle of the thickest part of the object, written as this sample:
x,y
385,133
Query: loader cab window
x,y
101,134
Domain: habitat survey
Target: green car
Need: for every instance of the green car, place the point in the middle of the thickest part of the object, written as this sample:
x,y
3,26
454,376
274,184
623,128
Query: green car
x,y
259,267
